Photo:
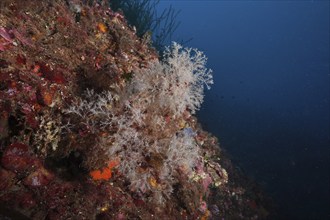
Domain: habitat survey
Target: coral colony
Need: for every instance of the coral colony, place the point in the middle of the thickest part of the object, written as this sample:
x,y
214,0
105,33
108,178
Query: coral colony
x,y
95,125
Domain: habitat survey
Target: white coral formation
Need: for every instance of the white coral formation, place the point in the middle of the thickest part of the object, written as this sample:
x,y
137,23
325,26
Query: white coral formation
x,y
94,109
177,82
134,118
186,76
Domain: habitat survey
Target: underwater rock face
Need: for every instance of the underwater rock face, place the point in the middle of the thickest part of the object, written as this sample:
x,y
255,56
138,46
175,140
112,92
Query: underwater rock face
x,y
93,125
40,177
17,158
7,179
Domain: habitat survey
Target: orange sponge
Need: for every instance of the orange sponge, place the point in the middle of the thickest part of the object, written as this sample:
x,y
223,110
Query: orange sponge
x,y
104,173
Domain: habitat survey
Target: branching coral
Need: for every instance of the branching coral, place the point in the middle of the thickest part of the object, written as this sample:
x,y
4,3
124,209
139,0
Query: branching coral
x,y
177,82
164,88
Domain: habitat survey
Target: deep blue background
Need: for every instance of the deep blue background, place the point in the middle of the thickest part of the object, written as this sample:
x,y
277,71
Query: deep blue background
x,y
269,105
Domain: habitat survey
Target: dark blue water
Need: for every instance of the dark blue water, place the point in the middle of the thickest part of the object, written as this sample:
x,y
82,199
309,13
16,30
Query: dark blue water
x,y
269,105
